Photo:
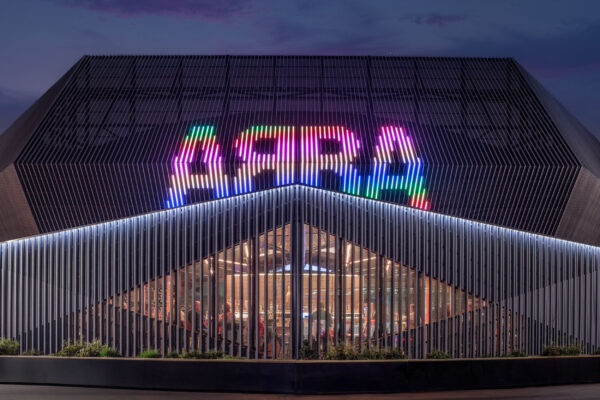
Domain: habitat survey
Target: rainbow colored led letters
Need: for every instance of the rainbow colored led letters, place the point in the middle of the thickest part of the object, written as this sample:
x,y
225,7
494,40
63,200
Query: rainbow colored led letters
x,y
281,161
393,139
314,159
200,139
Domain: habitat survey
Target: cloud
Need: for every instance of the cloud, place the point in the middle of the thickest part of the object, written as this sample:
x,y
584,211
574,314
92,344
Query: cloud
x,y
557,53
324,28
436,19
206,9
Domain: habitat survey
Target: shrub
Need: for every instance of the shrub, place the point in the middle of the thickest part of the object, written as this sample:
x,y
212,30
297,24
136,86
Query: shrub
x,y
191,354
369,354
392,353
109,352
386,353
342,352
8,347
90,349
172,354
149,354
31,352
597,352
515,353
228,357
71,349
554,350
210,355
573,351
308,351
438,355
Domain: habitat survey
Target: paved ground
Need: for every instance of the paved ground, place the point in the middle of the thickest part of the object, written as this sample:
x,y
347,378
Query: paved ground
x,y
32,392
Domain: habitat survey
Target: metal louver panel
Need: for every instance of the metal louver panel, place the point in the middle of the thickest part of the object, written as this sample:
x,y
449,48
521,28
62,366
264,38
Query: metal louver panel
x,y
256,274
487,149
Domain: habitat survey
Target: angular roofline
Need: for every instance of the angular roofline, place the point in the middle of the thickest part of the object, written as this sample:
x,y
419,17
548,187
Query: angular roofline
x,y
15,137
303,187
293,56
580,140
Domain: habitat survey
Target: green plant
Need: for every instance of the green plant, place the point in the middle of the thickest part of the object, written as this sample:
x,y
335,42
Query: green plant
x,y
149,354
31,352
172,354
228,357
109,352
210,355
438,355
369,354
308,351
71,349
8,347
554,350
573,350
597,352
392,353
91,349
515,353
342,352
191,354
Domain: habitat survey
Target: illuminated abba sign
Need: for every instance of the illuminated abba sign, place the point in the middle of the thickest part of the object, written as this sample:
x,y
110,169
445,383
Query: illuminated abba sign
x,y
200,146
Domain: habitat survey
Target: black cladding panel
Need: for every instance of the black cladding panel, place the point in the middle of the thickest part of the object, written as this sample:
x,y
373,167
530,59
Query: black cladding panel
x,y
487,148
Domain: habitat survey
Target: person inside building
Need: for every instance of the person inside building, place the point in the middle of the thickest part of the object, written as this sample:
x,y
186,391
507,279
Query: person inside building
x,y
226,318
323,323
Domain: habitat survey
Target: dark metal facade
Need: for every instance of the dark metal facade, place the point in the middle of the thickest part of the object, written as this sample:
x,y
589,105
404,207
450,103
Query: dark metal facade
x,y
257,274
104,148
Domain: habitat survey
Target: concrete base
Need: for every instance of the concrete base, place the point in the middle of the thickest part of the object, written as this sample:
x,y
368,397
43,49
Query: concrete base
x,y
301,377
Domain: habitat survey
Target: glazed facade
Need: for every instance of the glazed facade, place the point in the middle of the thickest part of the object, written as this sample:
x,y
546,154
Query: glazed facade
x,y
257,274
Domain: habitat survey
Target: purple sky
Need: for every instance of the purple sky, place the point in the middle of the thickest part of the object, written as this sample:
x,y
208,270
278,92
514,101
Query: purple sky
x,y
557,41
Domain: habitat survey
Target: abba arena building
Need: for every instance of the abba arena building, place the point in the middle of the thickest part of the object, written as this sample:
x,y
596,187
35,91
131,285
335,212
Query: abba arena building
x,y
250,204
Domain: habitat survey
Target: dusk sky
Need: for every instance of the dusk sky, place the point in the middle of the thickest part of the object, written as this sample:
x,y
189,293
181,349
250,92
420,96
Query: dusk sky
x,y
557,41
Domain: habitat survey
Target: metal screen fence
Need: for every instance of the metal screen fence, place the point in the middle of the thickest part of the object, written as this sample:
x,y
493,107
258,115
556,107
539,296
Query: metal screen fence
x,y
258,274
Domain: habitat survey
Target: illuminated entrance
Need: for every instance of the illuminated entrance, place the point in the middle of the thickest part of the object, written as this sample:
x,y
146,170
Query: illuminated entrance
x,y
240,300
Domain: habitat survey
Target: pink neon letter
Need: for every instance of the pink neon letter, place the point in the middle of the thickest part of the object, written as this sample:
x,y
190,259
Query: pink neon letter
x,y
314,160
281,160
182,180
